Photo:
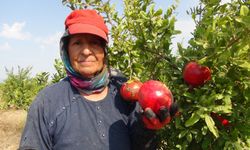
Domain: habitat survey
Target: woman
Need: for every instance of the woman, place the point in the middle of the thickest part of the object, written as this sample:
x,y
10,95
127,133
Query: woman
x,y
85,110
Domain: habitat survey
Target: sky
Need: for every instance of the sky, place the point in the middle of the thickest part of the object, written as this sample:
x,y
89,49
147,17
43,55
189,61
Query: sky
x,y
30,31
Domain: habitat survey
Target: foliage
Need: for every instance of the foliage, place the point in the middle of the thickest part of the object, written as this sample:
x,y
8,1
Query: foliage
x,y
60,71
141,39
221,41
19,89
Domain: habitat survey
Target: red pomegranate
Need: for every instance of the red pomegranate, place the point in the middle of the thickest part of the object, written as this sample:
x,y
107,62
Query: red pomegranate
x,y
155,94
129,90
222,120
195,74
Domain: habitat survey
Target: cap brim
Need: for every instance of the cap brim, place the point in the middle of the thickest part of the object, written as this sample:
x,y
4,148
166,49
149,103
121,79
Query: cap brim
x,y
86,28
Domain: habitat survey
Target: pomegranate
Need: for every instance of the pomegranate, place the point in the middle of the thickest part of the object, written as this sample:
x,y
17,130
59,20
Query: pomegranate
x,y
155,95
195,74
222,120
129,90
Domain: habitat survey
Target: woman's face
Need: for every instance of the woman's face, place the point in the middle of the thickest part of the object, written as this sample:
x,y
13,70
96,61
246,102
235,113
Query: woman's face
x,y
86,54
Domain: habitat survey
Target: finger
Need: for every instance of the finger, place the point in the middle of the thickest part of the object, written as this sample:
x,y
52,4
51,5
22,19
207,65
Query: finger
x,y
173,109
172,97
163,113
148,112
153,123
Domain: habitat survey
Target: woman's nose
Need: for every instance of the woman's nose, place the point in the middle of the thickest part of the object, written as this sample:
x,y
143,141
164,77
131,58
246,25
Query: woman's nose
x,y
86,50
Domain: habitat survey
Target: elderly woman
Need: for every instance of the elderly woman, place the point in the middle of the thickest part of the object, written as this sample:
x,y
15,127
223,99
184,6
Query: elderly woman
x,y
85,110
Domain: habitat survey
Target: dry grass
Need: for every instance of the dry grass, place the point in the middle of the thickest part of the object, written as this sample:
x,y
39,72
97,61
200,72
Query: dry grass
x,y
11,125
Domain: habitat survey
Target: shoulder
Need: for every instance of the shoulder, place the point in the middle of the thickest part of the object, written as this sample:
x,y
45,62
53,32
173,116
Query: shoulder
x,y
56,89
52,97
117,77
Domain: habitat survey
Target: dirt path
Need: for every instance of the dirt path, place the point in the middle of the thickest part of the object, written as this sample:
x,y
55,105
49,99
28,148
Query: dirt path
x,y
11,125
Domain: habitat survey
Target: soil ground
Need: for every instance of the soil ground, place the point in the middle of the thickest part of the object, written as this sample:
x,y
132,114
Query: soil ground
x,y
11,125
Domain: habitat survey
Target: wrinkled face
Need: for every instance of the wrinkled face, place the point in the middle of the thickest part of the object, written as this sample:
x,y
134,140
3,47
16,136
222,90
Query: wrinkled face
x,y
86,54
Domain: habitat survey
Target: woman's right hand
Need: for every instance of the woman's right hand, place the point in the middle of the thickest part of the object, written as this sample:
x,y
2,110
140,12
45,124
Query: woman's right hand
x,y
155,121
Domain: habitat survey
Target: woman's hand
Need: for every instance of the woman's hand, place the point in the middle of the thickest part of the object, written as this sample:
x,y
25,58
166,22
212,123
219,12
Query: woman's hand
x,y
155,121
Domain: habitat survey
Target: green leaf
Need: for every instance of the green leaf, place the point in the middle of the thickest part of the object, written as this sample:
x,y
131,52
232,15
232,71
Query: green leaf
x,y
202,60
243,50
224,56
182,134
244,10
227,100
158,12
199,42
189,137
192,120
172,21
151,9
219,96
189,95
247,94
204,130
211,125
243,64
224,109
244,19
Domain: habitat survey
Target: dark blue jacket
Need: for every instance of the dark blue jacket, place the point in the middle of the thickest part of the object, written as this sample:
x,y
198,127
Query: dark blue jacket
x,y
61,119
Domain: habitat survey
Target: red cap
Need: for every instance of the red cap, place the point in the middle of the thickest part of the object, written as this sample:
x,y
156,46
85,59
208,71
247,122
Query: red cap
x,y
86,21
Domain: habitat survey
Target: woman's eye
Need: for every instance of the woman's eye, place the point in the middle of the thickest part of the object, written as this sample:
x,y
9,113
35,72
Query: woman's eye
x,y
94,42
77,43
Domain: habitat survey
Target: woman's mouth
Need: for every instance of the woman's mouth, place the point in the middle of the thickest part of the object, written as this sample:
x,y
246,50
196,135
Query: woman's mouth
x,y
86,63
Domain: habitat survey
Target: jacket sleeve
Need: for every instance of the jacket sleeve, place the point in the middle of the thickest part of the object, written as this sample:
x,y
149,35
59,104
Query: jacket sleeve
x,y
35,135
141,137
